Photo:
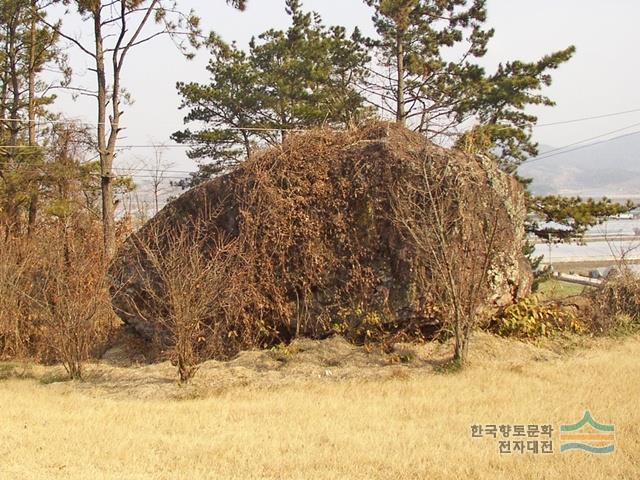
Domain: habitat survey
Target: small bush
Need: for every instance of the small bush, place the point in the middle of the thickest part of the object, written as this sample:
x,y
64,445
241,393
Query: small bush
x,y
531,318
192,296
70,298
17,325
616,304
54,303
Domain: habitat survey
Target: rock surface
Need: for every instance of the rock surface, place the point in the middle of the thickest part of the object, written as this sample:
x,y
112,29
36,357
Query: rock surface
x,y
314,242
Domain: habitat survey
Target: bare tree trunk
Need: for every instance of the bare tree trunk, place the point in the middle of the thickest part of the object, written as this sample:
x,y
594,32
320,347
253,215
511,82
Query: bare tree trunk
x,y
14,111
13,211
4,93
283,121
462,334
113,16
400,110
106,153
155,196
33,200
247,143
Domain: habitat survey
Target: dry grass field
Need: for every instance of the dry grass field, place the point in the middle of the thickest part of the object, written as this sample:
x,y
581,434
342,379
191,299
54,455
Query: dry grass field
x,y
322,411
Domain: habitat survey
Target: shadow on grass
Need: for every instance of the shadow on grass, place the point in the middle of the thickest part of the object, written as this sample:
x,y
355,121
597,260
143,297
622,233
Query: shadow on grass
x,y
11,370
447,366
21,371
50,378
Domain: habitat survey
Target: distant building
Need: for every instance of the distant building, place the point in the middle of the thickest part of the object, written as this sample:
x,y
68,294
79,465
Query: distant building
x,y
624,216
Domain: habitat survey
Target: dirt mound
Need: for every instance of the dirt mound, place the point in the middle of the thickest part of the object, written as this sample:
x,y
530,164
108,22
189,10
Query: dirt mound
x,y
303,362
311,243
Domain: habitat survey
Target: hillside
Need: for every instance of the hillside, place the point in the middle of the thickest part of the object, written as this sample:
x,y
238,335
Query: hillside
x,y
607,169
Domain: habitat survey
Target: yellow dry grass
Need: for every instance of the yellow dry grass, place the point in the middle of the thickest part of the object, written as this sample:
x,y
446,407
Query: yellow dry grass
x,y
400,423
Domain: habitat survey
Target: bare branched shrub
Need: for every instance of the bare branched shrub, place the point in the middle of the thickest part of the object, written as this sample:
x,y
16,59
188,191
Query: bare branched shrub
x,y
54,305
187,290
457,238
72,291
616,303
16,332
53,302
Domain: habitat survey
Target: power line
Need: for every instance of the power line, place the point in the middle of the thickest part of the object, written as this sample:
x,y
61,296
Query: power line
x,y
160,147
546,154
580,148
584,119
95,124
118,148
40,122
116,175
159,171
268,129
125,171
160,177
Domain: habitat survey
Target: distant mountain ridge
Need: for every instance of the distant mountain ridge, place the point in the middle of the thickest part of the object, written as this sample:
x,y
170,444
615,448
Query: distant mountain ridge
x,y
609,169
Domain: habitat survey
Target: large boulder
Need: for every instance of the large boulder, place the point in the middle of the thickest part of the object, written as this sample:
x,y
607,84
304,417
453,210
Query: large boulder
x,y
315,242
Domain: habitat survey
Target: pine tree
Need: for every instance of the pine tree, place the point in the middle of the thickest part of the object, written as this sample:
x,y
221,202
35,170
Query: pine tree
x,y
413,81
308,73
26,50
420,82
299,78
229,108
498,103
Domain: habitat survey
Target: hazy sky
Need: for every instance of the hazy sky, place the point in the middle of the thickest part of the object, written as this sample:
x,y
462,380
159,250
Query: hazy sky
x,y
603,77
